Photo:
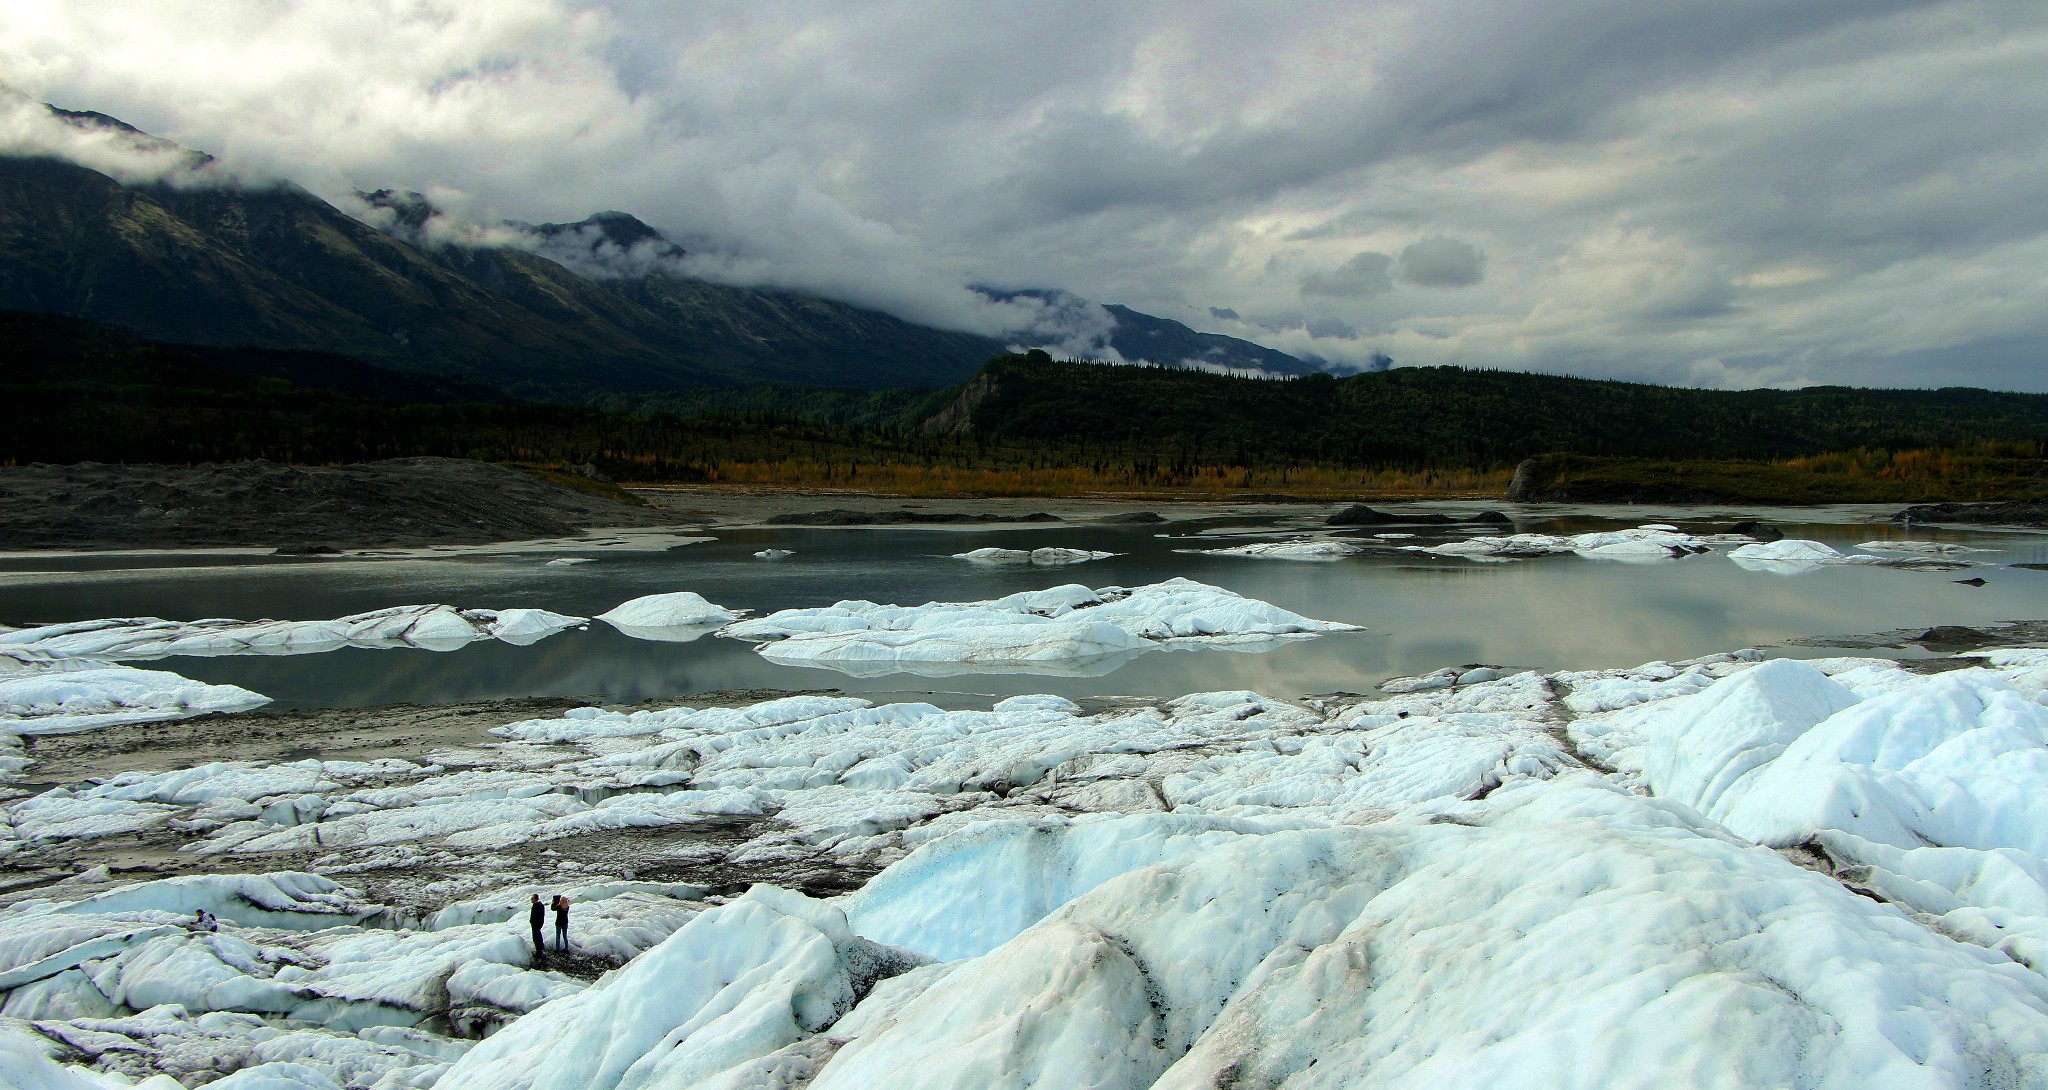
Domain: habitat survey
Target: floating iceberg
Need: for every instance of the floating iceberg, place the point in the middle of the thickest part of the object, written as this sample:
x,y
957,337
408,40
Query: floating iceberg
x,y
1922,548
1040,557
662,616
1308,549
1654,543
774,554
1061,625
434,628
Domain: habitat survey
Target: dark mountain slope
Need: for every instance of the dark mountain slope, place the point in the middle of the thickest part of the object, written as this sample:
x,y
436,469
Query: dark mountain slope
x,y
281,268
576,310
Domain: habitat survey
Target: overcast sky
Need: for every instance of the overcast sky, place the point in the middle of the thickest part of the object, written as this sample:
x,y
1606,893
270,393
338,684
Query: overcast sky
x,y
1733,193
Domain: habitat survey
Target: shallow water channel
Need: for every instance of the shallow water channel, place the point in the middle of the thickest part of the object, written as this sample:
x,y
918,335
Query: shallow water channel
x,y
1421,612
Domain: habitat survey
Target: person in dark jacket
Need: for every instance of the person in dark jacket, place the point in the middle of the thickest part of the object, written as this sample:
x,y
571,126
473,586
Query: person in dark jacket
x,y
534,915
561,922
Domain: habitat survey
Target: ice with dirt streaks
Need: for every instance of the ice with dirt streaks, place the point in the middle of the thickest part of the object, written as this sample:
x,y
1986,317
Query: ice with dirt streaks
x,y
430,627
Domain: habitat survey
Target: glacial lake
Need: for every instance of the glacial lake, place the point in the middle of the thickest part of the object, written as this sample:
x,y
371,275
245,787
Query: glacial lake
x,y
1421,612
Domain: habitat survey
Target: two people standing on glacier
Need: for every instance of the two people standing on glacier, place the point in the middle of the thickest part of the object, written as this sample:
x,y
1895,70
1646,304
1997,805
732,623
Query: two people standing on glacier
x,y
537,913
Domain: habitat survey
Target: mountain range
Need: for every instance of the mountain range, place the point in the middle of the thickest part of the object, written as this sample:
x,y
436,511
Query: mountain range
x,y
552,310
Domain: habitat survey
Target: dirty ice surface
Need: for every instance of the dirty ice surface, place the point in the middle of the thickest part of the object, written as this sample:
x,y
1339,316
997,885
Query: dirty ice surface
x,y
1728,872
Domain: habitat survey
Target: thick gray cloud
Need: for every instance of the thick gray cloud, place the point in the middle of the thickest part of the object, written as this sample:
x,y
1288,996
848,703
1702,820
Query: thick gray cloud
x,y
1362,277
1439,262
1719,192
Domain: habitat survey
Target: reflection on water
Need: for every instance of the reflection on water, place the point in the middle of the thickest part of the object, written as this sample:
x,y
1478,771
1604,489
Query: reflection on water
x,y
1421,612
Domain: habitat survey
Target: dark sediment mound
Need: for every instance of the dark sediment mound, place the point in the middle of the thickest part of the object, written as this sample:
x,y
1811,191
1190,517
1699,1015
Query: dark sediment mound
x,y
1762,531
1359,514
306,510
838,517
1133,518
2013,513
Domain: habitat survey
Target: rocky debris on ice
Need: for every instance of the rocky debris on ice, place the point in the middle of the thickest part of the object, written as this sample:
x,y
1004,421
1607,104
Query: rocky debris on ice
x,y
1060,624
1306,549
1046,557
665,616
61,696
433,628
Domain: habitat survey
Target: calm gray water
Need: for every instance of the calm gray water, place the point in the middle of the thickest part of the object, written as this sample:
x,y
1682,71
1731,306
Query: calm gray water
x,y
1421,612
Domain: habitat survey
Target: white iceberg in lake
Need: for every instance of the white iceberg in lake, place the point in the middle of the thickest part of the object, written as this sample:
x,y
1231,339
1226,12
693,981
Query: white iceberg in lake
x,y
1307,549
1654,543
1920,548
676,617
1060,625
432,627
1790,549
1046,557
1794,556
774,554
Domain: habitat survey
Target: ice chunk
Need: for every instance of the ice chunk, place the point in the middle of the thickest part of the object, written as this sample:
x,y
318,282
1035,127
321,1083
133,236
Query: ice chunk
x,y
678,609
525,626
428,627
1788,549
1046,557
1063,624
1922,548
1653,543
62,697
1307,549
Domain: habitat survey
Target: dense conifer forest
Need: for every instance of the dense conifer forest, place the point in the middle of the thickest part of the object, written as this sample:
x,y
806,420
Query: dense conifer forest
x,y
1031,425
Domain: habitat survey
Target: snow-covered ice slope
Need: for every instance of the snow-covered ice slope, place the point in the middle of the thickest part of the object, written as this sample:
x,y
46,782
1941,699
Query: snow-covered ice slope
x,y
434,628
1558,934
1063,624
1732,871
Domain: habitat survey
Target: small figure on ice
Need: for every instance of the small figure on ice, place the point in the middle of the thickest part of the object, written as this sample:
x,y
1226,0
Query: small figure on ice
x,y
561,922
205,921
536,913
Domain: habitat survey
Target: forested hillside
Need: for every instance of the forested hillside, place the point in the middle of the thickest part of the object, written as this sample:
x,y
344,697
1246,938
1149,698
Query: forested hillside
x,y
74,391
1453,416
